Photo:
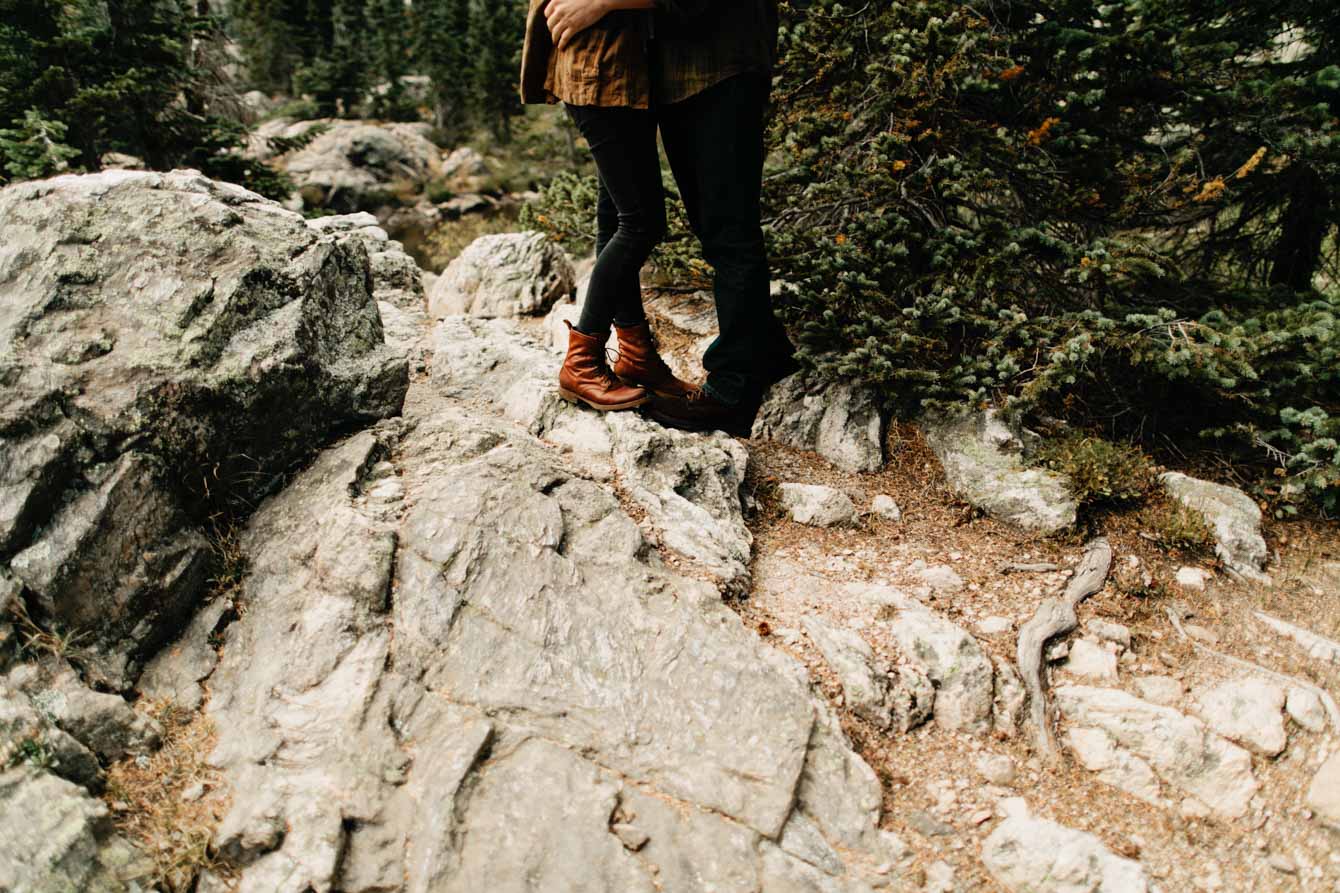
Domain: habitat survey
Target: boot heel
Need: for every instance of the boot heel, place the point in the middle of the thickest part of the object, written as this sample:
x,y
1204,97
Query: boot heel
x,y
569,396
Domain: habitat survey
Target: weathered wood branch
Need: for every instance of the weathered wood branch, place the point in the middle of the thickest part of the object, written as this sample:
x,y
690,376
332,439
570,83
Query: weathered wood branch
x,y
1056,617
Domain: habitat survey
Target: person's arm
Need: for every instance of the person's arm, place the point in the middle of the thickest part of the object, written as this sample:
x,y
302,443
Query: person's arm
x,y
568,18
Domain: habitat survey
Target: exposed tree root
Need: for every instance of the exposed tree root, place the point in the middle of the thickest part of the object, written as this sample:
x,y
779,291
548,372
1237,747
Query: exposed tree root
x,y
1317,646
1055,617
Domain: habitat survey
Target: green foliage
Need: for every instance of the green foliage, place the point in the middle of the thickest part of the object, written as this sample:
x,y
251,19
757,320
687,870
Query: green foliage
x,y
35,148
80,78
1102,473
1102,211
1177,528
496,33
442,31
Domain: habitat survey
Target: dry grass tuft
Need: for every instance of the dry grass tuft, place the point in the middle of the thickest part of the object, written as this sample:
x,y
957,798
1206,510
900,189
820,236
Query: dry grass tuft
x,y
145,796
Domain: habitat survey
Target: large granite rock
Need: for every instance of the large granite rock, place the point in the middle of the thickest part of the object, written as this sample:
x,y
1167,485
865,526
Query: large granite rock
x,y
482,678
1323,793
839,421
1232,514
509,274
55,838
982,460
688,484
349,165
1133,745
168,346
961,672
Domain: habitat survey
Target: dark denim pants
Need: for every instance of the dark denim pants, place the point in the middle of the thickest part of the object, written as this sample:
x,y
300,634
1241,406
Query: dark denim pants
x,y
714,142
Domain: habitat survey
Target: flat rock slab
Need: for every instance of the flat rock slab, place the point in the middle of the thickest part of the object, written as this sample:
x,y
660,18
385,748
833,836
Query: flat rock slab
x,y
1033,855
981,459
1138,743
1248,710
492,683
1323,794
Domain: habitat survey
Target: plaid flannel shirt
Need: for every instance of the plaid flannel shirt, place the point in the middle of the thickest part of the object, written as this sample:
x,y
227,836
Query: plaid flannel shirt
x,y
697,43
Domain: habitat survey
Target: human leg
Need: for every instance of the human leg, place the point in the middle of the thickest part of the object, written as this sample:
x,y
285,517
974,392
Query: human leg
x,y
630,213
714,141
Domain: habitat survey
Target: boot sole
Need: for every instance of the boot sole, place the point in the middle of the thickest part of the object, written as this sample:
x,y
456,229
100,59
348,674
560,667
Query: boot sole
x,y
575,398
650,390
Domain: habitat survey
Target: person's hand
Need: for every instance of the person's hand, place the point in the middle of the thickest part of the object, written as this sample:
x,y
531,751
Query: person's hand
x,y
568,18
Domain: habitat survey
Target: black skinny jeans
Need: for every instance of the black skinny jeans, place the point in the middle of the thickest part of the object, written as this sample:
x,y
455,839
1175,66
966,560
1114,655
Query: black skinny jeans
x,y
714,142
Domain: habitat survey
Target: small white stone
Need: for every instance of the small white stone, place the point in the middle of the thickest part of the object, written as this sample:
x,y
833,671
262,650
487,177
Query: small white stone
x,y
1306,709
884,507
995,626
1092,661
1110,632
939,878
193,793
1193,577
997,768
939,577
818,506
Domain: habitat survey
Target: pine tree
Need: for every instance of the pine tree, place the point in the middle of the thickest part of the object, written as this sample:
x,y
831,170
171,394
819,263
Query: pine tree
x,y
442,34
1111,212
497,28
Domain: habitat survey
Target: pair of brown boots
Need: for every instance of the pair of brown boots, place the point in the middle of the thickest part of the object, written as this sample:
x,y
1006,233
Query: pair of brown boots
x,y
638,371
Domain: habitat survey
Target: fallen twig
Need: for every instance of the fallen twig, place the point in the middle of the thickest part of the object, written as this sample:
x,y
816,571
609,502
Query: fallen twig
x,y
1332,711
1019,567
1054,617
1317,646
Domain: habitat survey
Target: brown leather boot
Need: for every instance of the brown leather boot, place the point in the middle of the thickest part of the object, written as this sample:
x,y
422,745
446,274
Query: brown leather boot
x,y
639,363
586,376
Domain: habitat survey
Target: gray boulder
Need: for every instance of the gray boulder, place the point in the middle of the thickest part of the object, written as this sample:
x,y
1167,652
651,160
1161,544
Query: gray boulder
x,y
839,421
898,699
28,735
1032,855
961,672
350,165
509,274
103,723
1234,516
817,505
1134,744
208,341
982,460
491,682
55,838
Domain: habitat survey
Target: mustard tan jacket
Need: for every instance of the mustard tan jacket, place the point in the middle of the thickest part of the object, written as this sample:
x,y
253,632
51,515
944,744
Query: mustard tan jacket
x,y
632,58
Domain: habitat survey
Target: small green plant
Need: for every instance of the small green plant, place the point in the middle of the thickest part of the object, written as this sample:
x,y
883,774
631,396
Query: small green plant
x,y
1101,473
30,751
1177,528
